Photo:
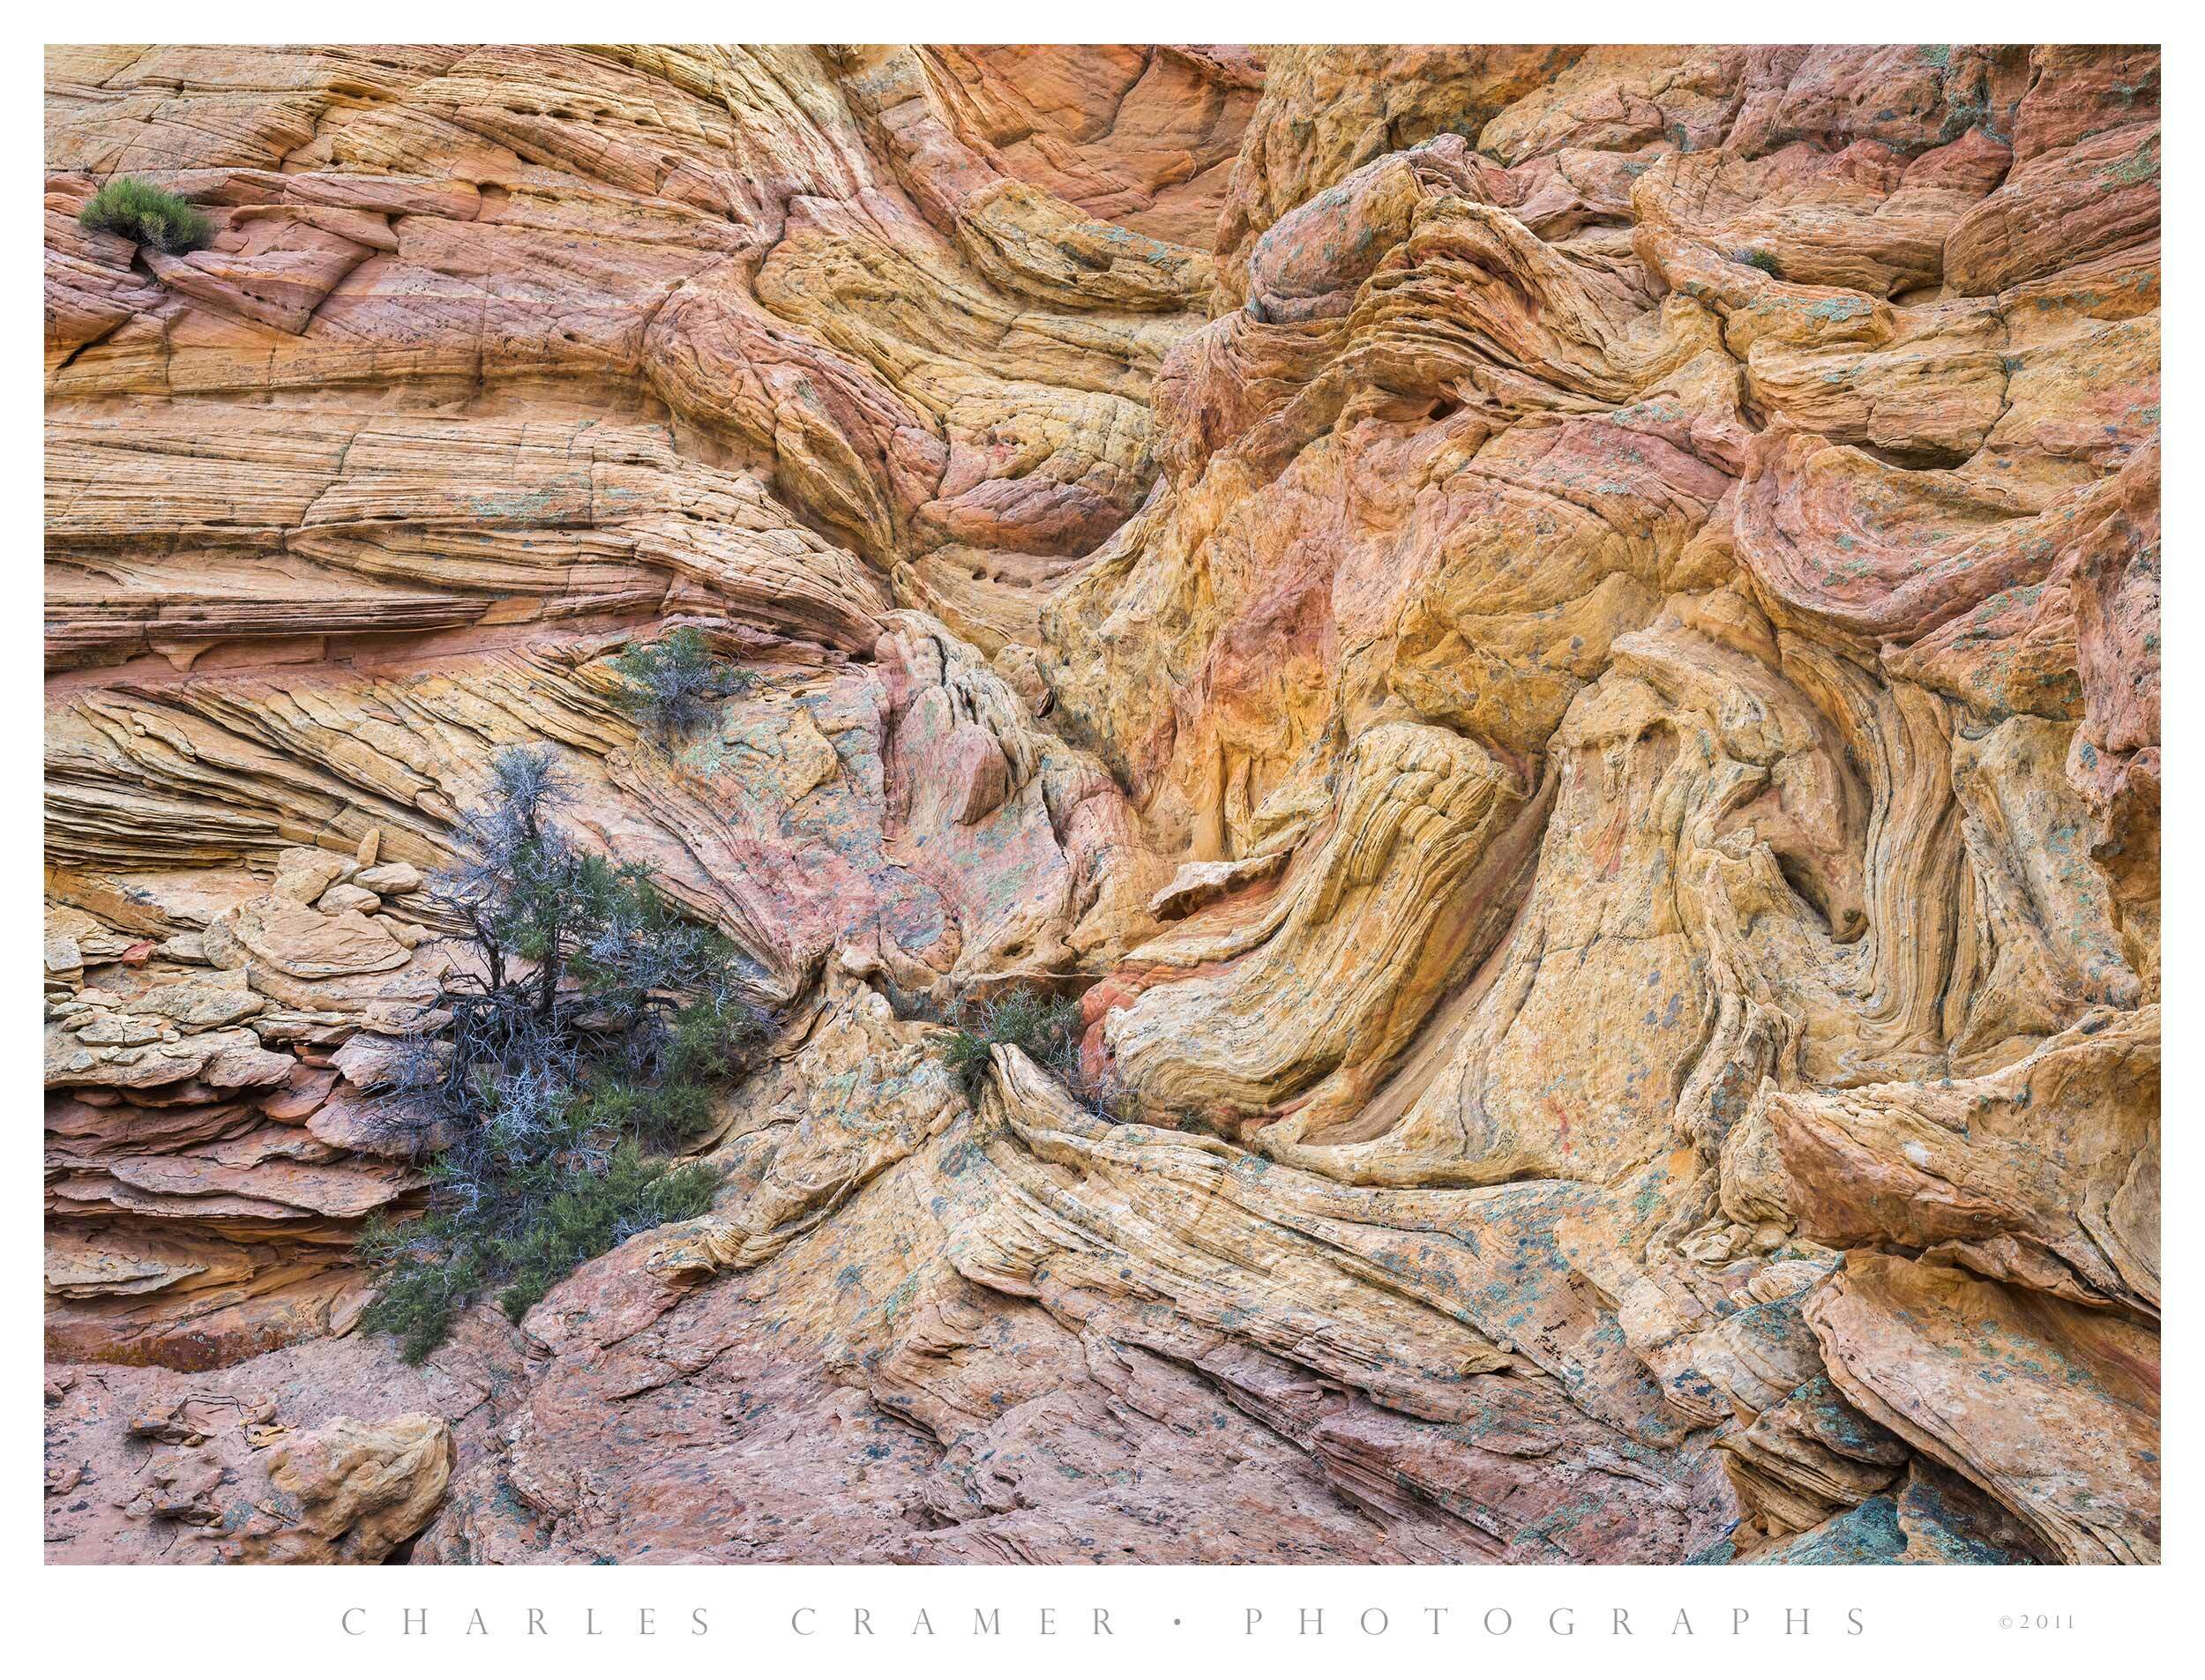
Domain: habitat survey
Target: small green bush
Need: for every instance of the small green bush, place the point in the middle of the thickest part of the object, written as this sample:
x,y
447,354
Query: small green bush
x,y
139,211
667,686
1759,259
1046,1028
967,1053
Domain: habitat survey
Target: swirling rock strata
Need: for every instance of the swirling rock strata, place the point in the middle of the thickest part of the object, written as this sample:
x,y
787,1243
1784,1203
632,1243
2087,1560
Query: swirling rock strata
x,y
1561,645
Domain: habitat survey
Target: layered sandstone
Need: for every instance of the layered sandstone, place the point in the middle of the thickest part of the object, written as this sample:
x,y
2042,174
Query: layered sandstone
x,y
1561,644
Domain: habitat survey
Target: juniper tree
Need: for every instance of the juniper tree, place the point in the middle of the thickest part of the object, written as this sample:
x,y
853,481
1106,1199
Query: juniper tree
x,y
667,686
589,1025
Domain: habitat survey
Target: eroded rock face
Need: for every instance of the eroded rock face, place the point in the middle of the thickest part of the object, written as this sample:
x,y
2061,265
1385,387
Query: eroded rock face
x,y
1561,644
262,1463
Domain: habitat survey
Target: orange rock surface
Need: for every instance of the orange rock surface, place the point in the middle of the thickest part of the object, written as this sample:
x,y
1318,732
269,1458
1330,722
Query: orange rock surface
x,y
1561,644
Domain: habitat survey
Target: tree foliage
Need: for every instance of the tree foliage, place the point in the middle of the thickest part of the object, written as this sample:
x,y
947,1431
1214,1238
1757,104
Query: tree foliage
x,y
588,1031
668,686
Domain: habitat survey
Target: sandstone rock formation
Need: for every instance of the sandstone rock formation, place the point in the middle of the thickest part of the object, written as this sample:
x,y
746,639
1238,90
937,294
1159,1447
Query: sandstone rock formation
x,y
1560,645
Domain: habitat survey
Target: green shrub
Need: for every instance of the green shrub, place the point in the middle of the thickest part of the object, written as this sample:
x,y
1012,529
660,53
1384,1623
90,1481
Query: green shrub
x,y
967,1053
667,686
1759,259
139,211
1046,1028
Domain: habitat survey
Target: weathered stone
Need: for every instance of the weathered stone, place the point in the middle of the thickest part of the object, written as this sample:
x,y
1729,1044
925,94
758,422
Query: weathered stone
x,y
392,880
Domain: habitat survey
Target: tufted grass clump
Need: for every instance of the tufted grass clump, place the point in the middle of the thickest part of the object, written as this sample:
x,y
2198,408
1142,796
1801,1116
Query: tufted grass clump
x,y
1046,1028
144,213
667,686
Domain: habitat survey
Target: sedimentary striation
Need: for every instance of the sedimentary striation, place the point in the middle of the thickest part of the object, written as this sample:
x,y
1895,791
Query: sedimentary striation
x,y
1560,645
